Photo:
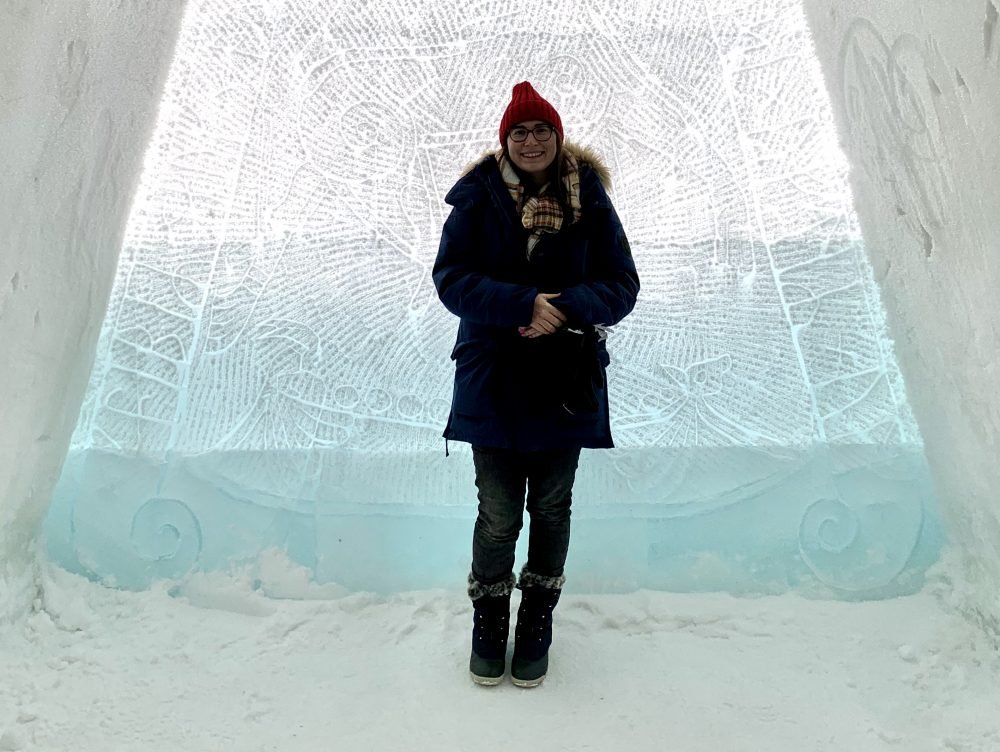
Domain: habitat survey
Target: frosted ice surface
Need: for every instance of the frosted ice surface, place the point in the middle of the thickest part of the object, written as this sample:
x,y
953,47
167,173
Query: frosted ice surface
x,y
274,364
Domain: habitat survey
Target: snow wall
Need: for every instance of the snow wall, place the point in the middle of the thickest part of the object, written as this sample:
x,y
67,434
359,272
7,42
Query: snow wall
x,y
79,87
914,86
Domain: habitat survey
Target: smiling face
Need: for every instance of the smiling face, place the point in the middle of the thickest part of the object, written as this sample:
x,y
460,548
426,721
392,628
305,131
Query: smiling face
x,y
531,155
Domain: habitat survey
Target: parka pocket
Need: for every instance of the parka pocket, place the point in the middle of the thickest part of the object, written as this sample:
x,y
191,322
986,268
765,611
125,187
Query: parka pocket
x,y
476,378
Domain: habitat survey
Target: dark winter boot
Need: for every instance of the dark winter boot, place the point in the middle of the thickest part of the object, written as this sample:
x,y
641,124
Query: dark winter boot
x,y
533,635
490,627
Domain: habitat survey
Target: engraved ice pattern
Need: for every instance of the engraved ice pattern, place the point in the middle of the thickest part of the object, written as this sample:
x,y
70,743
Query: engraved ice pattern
x,y
273,369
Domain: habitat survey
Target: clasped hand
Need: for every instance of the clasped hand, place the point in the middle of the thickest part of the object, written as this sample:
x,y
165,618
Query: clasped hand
x,y
545,318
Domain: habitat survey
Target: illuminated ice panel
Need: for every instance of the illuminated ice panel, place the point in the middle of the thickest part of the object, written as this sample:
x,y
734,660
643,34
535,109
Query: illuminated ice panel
x,y
273,369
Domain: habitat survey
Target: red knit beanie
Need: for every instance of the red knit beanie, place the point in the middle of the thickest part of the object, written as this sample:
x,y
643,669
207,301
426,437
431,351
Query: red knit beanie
x,y
527,104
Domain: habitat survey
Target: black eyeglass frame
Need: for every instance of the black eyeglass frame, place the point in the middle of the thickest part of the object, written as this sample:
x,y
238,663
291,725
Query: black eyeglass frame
x,y
545,128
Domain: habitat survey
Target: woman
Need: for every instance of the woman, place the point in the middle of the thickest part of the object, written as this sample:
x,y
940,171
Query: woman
x,y
534,260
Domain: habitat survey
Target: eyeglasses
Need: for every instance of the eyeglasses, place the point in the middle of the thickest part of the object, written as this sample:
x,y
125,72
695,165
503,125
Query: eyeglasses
x,y
541,132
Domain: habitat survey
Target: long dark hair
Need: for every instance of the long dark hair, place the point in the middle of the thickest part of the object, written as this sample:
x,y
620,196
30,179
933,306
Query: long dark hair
x,y
554,175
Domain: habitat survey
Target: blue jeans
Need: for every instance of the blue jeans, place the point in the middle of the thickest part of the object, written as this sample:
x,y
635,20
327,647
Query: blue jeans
x,y
502,475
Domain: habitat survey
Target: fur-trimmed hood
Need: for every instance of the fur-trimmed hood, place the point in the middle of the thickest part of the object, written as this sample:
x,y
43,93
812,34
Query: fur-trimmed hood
x,y
585,157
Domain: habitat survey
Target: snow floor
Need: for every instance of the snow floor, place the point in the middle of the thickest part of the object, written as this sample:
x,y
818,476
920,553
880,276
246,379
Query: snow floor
x,y
223,665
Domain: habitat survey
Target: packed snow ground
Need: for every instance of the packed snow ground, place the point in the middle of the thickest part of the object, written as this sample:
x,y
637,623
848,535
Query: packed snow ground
x,y
223,665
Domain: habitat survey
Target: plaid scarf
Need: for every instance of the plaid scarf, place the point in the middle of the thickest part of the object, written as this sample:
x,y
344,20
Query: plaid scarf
x,y
542,213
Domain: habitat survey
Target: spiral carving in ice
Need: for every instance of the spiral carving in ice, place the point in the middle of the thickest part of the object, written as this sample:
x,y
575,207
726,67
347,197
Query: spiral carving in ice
x,y
858,549
166,533
829,526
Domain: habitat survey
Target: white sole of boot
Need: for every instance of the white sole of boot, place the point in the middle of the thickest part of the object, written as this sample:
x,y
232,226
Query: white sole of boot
x,y
527,683
486,681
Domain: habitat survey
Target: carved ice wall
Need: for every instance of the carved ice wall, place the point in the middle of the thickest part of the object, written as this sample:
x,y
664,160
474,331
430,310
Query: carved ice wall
x,y
274,365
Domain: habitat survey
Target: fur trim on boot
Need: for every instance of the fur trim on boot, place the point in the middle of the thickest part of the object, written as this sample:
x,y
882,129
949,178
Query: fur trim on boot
x,y
478,590
530,579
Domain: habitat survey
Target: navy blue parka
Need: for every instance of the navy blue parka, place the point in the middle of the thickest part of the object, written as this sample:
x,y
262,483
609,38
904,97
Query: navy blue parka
x,y
482,275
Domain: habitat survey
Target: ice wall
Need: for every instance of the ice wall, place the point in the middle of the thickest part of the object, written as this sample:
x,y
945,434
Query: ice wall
x,y
914,86
273,370
79,86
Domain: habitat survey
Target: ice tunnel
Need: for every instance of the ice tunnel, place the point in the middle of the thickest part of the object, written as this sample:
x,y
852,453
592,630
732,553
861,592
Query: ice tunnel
x,y
272,369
